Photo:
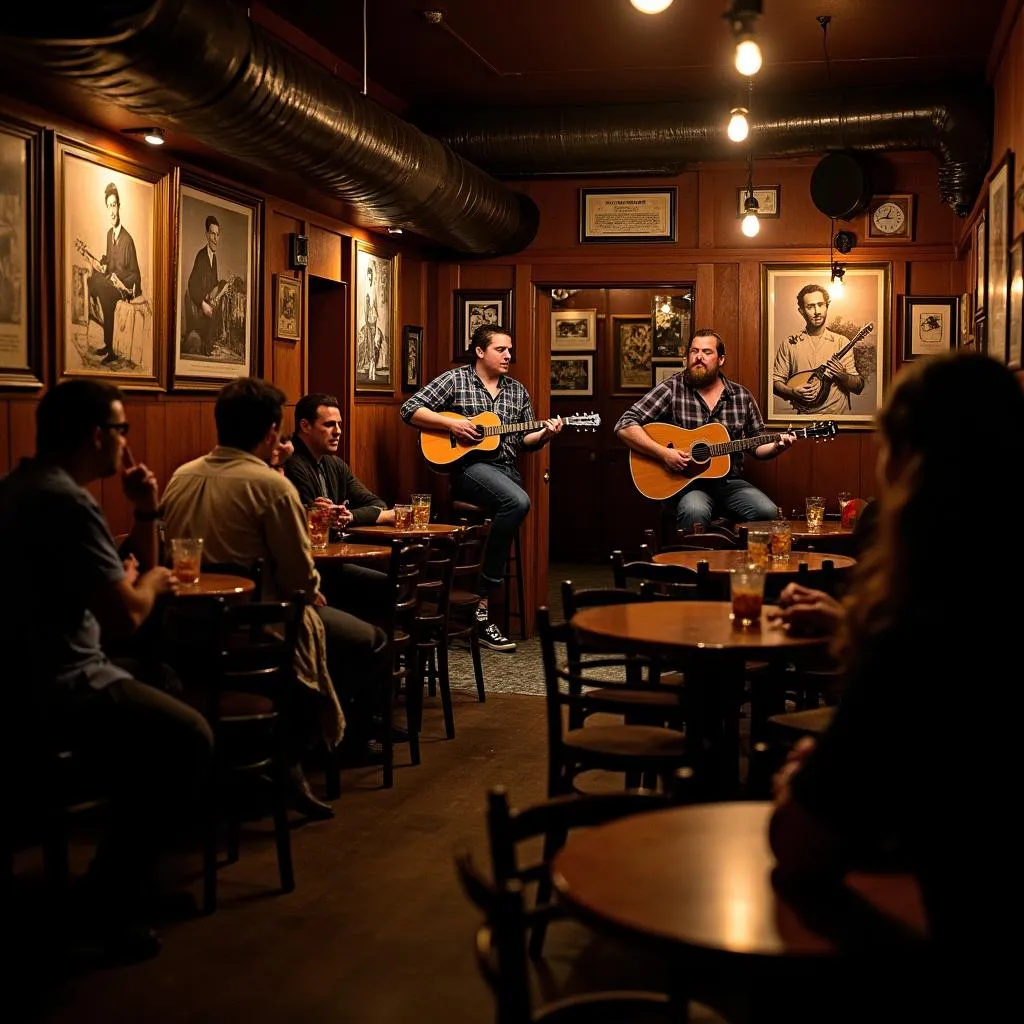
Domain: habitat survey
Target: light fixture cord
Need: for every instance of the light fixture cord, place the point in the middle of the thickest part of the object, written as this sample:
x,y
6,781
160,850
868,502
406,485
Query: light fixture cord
x,y
824,21
364,47
750,175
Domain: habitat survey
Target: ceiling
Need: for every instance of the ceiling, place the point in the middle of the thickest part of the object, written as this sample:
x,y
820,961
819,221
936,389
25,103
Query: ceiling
x,y
549,52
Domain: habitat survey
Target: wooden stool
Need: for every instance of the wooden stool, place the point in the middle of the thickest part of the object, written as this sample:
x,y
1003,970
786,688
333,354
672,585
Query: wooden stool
x,y
466,512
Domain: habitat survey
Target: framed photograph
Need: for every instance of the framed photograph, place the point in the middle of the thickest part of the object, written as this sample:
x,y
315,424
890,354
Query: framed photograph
x,y
798,315
890,218
767,197
966,319
673,324
1015,341
287,307
980,254
633,345
474,308
997,275
572,375
21,179
218,257
376,317
412,357
112,254
662,371
574,330
929,324
628,214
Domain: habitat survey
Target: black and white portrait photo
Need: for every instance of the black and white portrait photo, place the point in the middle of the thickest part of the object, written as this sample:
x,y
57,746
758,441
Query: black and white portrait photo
x,y
574,330
375,314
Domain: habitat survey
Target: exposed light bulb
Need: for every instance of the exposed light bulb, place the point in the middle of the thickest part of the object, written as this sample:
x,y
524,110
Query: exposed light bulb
x,y
748,57
739,126
836,287
750,225
651,6
154,136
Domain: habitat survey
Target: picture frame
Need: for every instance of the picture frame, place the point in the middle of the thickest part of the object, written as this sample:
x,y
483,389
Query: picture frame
x,y
572,375
930,324
672,316
997,271
980,256
866,302
662,371
768,201
474,307
216,284
21,190
94,188
890,218
633,347
966,319
287,307
627,214
376,316
1015,339
574,330
412,357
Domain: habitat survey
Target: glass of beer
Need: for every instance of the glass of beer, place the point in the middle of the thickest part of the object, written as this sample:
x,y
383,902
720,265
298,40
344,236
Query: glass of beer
x,y
318,518
758,543
403,517
421,511
186,559
747,592
845,497
782,540
815,512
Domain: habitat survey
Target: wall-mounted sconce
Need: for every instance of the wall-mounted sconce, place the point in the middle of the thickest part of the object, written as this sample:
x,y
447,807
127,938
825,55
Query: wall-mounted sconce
x,y
741,17
154,136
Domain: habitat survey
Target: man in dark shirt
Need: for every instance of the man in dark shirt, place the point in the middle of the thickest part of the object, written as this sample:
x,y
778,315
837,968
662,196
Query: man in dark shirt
x,y
203,285
152,749
322,478
117,275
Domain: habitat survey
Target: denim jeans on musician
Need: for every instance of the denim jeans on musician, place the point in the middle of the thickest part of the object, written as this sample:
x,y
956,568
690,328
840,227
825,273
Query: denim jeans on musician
x,y
732,497
496,488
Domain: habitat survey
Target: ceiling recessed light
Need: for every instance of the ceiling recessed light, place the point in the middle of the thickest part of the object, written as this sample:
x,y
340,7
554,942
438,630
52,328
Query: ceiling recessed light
x,y
395,231
154,136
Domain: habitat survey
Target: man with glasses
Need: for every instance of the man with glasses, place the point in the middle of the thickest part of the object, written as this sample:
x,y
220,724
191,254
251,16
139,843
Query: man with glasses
x,y
67,591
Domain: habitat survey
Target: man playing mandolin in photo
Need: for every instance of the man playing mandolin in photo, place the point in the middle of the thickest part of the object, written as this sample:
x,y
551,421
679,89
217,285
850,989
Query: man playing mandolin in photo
x,y
816,347
699,396
492,482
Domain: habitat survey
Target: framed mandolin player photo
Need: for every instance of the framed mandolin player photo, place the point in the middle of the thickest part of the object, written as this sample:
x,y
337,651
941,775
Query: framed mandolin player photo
x,y
825,344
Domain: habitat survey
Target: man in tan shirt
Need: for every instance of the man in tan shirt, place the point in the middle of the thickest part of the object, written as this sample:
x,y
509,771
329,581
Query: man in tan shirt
x,y
244,510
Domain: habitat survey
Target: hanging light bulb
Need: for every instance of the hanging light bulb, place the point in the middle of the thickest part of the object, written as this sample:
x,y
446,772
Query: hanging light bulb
x,y
751,223
748,56
836,287
739,126
651,6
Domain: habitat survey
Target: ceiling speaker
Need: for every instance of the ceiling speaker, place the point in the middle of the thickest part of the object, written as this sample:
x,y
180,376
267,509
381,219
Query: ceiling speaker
x,y
841,185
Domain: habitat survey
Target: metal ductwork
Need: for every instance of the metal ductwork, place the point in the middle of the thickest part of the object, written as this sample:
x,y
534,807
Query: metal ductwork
x,y
205,68
953,123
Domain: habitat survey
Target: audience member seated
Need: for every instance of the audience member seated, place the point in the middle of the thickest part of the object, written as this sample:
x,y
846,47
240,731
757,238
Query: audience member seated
x,y
245,510
65,589
322,478
921,754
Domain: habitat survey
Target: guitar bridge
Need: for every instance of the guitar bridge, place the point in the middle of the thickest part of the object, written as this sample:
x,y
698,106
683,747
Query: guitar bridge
x,y
452,442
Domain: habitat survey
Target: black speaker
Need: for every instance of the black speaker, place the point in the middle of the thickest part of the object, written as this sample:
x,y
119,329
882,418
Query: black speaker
x,y
300,252
841,185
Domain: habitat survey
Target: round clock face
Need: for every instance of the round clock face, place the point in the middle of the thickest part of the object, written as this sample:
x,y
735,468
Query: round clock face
x,y
889,218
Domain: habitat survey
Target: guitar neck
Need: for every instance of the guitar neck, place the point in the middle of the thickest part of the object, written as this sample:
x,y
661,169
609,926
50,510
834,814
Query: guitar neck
x,y
726,447
512,428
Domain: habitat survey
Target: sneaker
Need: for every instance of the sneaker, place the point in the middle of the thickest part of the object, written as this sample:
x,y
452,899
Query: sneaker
x,y
492,637
481,615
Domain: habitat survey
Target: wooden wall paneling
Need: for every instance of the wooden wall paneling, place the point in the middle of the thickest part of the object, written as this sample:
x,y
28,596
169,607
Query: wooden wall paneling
x,y
5,436
327,339
284,361
441,345
325,253
22,428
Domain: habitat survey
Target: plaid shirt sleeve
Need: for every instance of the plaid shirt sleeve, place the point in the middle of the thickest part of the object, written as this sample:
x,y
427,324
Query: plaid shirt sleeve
x,y
435,396
656,405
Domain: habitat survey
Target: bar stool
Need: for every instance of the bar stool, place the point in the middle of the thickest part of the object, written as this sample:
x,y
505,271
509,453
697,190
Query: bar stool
x,y
466,512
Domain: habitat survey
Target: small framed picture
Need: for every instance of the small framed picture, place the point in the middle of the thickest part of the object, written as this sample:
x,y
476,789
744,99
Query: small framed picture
x,y
572,375
287,307
980,253
966,318
633,345
475,308
662,371
767,197
1015,341
412,356
929,324
574,330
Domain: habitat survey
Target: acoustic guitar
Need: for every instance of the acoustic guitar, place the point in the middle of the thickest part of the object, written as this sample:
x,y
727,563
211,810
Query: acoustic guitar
x,y
818,376
443,449
709,448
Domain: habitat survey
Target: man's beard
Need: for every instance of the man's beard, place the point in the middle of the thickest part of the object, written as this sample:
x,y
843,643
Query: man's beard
x,y
700,376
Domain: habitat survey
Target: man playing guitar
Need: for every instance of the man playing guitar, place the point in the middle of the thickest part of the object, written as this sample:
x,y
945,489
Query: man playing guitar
x,y
205,288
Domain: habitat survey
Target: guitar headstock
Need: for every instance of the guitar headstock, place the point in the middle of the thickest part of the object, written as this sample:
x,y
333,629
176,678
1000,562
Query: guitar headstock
x,y
80,247
584,421
823,431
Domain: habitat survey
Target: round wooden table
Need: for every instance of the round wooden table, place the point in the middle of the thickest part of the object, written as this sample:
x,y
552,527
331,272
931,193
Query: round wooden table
x,y
800,528
430,530
217,584
725,561
700,878
347,551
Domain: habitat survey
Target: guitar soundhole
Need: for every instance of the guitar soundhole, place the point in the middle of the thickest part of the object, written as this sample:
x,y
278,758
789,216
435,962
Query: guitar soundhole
x,y
701,452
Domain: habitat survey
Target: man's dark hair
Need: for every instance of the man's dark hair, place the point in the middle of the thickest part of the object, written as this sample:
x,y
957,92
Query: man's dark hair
x,y
482,338
69,412
708,332
246,409
307,405
111,190
806,290
210,221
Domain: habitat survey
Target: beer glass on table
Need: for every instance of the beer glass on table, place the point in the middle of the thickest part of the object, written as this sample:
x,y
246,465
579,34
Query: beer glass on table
x,y
758,542
815,512
186,559
318,519
421,511
746,588
403,517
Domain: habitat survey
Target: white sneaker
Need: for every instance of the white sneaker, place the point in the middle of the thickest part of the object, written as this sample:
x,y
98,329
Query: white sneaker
x,y
491,636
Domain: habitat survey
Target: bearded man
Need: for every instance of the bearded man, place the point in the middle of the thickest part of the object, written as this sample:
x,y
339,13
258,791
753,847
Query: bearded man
x,y
698,395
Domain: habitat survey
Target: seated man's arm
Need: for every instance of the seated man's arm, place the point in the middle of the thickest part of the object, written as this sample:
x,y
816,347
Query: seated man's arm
x,y
302,476
122,607
287,539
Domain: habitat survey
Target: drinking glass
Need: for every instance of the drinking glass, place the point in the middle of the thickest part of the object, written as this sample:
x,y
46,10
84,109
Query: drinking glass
x,y
186,559
782,540
815,512
746,587
758,542
420,511
845,497
403,517
318,518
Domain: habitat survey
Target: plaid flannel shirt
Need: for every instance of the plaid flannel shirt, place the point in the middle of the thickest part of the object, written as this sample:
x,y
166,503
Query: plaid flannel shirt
x,y
674,401
462,391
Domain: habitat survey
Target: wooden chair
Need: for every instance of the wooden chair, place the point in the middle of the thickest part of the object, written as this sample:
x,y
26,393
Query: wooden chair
x,y
706,587
709,540
465,596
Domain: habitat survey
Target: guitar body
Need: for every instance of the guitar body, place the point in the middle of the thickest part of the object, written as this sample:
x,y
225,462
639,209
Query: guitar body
x,y
654,481
444,449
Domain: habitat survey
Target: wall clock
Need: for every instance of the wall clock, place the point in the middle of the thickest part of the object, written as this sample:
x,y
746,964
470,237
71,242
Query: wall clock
x,y
891,218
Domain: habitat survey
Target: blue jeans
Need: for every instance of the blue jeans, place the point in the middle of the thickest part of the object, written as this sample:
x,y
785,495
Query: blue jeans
x,y
731,496
497,488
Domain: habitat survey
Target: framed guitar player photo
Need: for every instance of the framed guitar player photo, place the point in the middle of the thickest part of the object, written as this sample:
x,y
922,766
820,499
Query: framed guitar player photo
x,y
806,320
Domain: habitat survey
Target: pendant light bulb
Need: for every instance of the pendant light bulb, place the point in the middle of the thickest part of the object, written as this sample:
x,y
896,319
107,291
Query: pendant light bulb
x,y
750,225
748,56
739,126
651,6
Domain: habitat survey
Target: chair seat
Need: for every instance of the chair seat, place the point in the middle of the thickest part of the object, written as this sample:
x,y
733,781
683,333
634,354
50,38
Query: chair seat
x,y
812,722
232,704
626,741
463,597
632,698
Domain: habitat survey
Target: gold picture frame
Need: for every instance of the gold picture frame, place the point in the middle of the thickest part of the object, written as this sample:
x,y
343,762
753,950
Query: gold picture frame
x,y
574,330
287,307
376,316
633,345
